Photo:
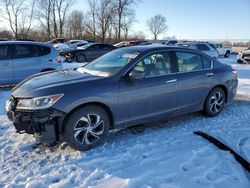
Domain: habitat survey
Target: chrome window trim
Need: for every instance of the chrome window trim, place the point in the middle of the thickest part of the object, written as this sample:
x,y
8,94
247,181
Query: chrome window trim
x,y
174,73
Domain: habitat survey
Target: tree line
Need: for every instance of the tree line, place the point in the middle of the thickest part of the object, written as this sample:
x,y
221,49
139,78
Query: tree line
x,y
103,20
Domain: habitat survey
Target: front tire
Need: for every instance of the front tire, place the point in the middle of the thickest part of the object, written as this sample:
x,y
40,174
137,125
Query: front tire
x,y
86,128
215,102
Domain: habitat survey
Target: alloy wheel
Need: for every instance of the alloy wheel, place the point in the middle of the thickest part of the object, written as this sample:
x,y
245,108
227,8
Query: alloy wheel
x,y
216,102
89,129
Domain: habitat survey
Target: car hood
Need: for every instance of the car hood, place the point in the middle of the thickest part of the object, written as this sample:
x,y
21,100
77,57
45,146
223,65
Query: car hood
x,y
50,80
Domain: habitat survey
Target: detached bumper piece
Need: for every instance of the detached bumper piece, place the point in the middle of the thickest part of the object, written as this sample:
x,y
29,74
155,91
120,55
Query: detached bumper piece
x,y
245,164
40,123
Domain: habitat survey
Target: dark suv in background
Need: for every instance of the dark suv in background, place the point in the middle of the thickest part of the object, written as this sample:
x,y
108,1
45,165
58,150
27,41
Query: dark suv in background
x,y
125,87
86,53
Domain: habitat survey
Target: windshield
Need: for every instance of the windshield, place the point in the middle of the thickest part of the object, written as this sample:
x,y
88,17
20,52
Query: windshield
x,y
109,64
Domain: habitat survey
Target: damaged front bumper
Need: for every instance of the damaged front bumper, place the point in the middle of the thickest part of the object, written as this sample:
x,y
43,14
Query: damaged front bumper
x,y
43,124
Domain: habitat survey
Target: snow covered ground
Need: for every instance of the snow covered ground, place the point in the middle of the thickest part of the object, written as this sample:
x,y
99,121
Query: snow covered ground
x,y
160,154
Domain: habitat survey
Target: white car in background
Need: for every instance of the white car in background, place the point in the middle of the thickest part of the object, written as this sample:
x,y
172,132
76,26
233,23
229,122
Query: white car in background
x,y
67,45
244,57
171,43
223,51
206,48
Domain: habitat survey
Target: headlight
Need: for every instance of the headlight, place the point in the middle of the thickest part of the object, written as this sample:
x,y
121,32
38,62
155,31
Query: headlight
x,y
38,103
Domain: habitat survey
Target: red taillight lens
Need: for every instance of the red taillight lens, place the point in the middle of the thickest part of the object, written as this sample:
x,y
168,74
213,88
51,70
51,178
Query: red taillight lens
x,y
235,74
58,59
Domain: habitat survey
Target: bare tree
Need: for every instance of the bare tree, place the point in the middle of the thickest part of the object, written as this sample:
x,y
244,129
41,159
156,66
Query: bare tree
x,y
104,17
157,25
63,7
127,22
90,21
75,24
54,18
13,10
27,19
121,7
44,15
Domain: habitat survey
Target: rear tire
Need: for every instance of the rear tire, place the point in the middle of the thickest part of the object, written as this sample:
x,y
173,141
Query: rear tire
x,y
215,102
81,58
86,128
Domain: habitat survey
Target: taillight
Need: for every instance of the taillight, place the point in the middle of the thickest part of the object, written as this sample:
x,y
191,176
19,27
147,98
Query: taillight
x,y
58,59
235,74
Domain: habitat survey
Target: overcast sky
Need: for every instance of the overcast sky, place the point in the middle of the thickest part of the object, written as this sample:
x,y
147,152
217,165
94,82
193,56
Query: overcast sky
x,y
195,19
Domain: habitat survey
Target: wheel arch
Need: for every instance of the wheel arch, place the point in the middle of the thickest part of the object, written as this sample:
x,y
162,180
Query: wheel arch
x,y
222,87
99,104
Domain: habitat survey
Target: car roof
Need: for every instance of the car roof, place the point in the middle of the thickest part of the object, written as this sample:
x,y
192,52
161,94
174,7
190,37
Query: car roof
x,y
25,42
155,47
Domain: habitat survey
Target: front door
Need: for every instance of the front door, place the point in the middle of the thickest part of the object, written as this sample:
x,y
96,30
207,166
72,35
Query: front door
x,y
153,95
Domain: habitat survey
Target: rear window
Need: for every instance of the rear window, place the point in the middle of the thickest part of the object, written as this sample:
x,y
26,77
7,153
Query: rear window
x,y
188,61
28,50
206,62
203,47
43,50
106,47
23,51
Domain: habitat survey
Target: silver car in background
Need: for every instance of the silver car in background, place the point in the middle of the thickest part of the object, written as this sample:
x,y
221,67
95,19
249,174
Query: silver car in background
x,y
206,48
20,59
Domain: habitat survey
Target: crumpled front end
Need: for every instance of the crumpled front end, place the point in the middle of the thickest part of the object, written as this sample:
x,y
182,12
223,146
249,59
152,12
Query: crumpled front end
x,y
43,124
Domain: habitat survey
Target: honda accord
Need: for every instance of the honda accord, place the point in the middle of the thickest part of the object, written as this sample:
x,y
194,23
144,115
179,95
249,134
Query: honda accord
x,y
125,87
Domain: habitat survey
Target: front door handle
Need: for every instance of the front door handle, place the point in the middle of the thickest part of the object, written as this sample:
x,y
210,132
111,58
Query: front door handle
x,y
171,81
209,74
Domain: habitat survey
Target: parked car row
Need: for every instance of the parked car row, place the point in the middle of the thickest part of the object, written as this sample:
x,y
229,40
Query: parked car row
x,y
213,49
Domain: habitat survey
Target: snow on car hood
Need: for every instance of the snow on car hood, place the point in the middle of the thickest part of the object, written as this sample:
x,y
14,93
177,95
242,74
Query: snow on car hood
x,y
50,80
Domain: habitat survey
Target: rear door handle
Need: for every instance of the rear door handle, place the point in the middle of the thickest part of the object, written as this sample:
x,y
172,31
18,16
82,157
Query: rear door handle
x,y
209,74
171,81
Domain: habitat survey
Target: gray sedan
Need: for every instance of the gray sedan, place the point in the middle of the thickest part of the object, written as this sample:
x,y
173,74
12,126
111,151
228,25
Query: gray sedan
x,y
125,87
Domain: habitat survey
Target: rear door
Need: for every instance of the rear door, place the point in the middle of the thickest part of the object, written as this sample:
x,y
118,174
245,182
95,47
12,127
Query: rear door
x,y
195,78
154,95
25,61
6,71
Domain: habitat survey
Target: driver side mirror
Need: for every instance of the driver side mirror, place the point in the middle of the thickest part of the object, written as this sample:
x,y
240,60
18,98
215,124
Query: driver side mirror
x,y
136,75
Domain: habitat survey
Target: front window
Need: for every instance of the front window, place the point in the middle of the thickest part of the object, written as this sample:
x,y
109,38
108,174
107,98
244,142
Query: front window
x,y
157,64
110,63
